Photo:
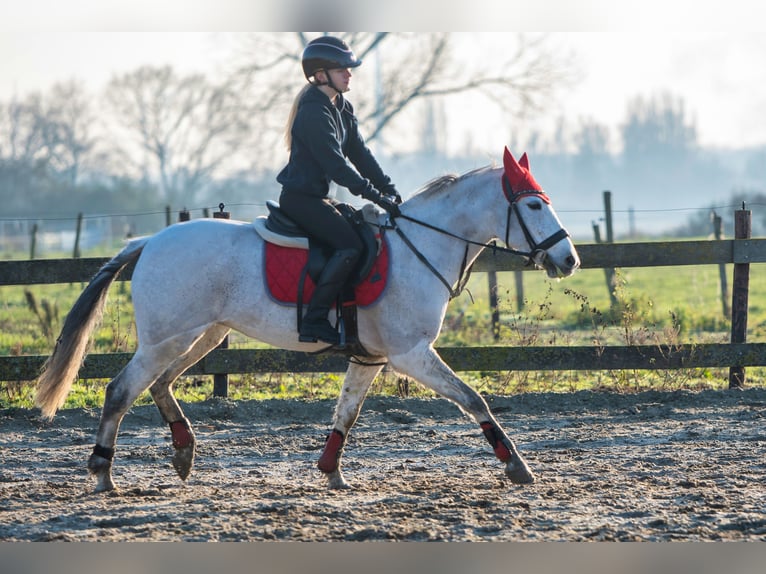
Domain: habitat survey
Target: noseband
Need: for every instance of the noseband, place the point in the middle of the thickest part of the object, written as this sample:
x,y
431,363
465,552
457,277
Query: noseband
x,y
513,197
465,270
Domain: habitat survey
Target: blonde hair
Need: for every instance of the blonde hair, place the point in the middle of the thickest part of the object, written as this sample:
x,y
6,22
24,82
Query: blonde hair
x,y
291,117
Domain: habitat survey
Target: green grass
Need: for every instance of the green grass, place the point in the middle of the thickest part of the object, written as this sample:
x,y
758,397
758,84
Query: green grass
x,y
655,306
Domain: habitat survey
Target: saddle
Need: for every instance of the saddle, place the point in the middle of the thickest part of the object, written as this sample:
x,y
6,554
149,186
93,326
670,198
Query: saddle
x,y
296,246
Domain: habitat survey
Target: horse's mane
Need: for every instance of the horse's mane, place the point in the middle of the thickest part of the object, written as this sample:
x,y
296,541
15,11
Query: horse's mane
x,y
447,180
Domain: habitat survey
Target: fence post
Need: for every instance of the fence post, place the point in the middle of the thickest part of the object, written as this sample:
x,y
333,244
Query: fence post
x,y
221,381
596,231
739,296
493,303
608,216
494,306
609,274
33,241
518,277
718,234
77,233
184,215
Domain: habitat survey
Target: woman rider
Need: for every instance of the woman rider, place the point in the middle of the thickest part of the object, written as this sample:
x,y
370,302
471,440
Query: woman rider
x,y
325,145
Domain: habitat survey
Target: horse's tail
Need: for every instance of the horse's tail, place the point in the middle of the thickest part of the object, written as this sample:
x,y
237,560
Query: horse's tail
x,y
60,370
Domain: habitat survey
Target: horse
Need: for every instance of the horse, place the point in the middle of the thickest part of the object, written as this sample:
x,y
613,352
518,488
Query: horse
x,y
193,282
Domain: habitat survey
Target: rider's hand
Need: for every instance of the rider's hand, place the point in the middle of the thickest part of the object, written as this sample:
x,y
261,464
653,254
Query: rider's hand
x,y
390,191
393,194
390,204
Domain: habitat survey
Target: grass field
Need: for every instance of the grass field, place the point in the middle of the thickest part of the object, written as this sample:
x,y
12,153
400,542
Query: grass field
x,y
655,305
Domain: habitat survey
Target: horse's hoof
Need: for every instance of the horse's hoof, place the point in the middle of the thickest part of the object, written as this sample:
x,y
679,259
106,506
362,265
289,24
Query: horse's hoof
x,y
104,483
183,461
335,481
101,468
518,471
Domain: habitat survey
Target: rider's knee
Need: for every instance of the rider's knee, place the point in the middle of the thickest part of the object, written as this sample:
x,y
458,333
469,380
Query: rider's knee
x,y
349,255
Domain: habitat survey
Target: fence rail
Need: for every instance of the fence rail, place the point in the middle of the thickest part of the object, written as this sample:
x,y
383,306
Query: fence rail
x,y
618,357
593,256
645,254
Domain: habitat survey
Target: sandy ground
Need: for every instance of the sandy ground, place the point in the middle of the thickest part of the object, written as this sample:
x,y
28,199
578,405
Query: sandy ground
x,y
654,466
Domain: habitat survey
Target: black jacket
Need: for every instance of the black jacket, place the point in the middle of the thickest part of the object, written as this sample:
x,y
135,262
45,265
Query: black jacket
x,y
323,136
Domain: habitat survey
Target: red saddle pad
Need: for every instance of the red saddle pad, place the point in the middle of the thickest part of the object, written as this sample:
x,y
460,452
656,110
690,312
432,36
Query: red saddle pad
x,y
284,266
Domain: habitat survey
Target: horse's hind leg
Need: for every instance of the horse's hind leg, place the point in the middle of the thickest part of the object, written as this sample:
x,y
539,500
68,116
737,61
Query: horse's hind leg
x,y
425,365
148,363
121,393
357,382
184,442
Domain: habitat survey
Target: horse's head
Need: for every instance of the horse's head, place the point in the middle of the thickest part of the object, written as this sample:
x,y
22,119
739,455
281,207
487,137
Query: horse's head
x,y
537,226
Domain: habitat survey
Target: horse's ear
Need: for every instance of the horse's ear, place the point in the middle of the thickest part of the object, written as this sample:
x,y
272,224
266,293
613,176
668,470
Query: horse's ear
x,y
518,174
510,163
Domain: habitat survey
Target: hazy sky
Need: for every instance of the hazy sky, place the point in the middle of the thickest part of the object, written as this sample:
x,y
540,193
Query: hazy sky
x,y
710,54
721,76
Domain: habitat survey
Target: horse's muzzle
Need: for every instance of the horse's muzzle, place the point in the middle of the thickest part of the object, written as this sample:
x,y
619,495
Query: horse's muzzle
x,y
554,270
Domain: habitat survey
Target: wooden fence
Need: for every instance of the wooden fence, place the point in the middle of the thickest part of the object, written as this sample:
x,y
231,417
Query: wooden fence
x,y
737,355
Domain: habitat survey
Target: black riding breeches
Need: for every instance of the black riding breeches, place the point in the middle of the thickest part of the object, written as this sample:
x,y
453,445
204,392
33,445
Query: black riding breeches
x,y
321,220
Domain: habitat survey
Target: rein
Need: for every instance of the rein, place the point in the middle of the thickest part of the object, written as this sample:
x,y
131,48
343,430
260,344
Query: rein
x,y
462,277
465,270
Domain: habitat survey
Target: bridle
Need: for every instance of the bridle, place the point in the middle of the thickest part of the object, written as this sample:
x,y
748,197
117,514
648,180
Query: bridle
x,y
513,197
465,271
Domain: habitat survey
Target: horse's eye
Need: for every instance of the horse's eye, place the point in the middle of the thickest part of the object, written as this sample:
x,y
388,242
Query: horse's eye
x,y
536,205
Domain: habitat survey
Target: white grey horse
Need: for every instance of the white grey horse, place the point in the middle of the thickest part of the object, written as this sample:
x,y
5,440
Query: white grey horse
x,y
195,281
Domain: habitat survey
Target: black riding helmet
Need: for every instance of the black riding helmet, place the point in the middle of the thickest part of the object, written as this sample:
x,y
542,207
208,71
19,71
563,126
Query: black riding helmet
x,y
327,53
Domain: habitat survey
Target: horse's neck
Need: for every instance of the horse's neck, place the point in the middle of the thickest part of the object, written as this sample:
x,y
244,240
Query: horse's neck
x,y
468,207
467,210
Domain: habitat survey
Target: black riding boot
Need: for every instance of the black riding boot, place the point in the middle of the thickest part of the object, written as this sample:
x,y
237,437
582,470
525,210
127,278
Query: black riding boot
x,y
315,324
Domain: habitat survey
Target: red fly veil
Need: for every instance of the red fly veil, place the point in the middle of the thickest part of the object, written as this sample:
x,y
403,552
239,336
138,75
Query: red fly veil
x,y
520,178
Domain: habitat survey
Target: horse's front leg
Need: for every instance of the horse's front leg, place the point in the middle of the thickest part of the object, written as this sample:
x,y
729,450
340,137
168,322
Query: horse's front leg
x,y
516,467
424,364
355,386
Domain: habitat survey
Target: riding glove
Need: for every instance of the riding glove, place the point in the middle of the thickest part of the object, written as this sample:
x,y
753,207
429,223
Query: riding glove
x,y
389,203
390,191
386,201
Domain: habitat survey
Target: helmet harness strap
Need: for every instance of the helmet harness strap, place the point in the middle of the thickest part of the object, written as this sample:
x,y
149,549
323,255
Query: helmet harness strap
x,y
329,81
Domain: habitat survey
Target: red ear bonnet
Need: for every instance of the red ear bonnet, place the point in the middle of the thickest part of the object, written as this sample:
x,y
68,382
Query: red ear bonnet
x,y
518,174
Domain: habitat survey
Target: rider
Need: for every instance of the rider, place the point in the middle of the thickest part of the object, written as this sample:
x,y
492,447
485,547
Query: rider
x,y
325,145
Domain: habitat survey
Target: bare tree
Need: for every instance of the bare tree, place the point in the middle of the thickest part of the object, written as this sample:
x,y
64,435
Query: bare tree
x,y
68,127
22,131
24,154
186,127
658,126
417,67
